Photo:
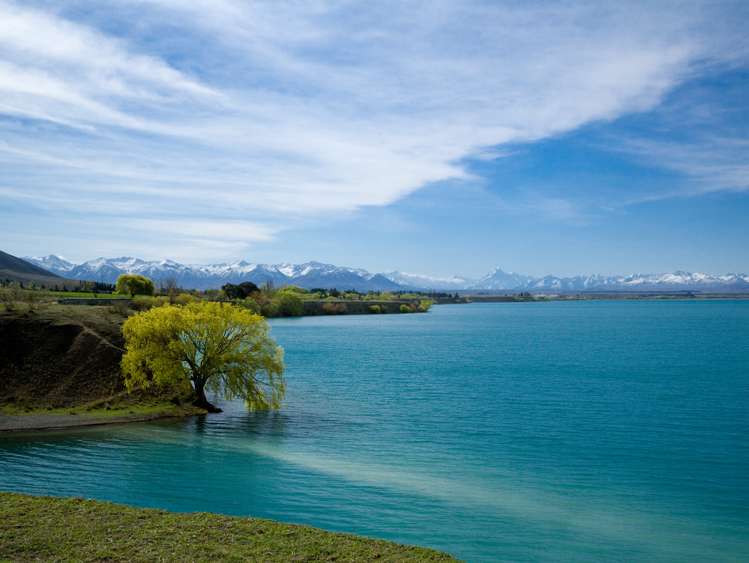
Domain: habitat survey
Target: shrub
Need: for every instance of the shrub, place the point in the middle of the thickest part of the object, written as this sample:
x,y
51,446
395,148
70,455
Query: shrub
x,y
146,302
184,299
241,291
375,309
334,308
252,305
269,309
405,309
120,307
295,289
289,305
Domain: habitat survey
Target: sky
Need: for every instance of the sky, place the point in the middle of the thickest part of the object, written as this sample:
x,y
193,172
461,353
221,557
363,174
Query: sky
x,y
435,137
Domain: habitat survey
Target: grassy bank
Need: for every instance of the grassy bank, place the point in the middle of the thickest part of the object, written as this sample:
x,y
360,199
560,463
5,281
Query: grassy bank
x,y
15,419
44,528
119,409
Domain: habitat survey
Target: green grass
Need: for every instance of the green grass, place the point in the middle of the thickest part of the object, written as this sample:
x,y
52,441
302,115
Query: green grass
x,y
98,411
85,294
60,529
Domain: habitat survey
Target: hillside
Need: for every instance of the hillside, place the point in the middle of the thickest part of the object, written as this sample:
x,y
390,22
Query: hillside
x,y
59,356
15,269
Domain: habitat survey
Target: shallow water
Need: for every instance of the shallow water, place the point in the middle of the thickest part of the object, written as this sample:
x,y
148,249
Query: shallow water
x,y
514,431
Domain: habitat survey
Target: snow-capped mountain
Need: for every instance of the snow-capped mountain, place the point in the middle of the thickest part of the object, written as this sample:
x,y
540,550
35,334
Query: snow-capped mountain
x,y
308,275
499,279
677,281
316,274
419,281
54,264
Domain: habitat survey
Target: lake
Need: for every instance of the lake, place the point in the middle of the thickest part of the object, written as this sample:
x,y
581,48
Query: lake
x,y
551,431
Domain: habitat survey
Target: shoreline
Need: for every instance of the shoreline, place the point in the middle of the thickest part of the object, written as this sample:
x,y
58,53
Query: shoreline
x,y
71,528
33,422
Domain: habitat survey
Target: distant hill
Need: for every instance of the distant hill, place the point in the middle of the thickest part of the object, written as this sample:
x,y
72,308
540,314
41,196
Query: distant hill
x,y
18,270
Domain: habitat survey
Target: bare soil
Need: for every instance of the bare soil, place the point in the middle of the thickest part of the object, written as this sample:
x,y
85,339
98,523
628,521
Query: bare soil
x,y
67,358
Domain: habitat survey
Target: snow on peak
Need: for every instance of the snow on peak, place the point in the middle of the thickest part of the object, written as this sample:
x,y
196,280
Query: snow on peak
x,y
318,274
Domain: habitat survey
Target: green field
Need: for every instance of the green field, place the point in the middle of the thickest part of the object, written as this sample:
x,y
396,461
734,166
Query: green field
x,y
84,294
62,529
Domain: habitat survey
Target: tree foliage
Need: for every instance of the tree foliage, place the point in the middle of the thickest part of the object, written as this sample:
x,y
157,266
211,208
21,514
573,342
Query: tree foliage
x,y
240,291
289,303
207,345
134,284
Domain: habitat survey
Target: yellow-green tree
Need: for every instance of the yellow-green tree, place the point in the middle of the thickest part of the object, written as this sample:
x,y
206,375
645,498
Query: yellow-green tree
x,y
134,284
205,345
289,303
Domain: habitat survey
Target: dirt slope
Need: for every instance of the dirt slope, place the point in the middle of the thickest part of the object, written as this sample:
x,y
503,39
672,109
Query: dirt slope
x,y
59,356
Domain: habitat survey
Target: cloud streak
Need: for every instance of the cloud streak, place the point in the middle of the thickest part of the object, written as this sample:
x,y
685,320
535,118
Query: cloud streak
x,y
272,112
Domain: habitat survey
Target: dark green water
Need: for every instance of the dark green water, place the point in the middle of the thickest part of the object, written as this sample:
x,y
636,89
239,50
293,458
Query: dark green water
x,y
527,431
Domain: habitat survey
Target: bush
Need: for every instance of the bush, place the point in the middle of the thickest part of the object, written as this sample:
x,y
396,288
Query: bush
x,y
241,291
334,308
289,305
269,309
406,309
10,296
120,307
14,296
375,309
146,302
295,289
184,299
252,305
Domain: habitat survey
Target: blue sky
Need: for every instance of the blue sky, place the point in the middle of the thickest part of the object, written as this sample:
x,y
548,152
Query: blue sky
x,y
428,137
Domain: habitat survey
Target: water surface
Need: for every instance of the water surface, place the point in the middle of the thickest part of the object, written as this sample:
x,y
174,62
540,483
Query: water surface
x,y
514,431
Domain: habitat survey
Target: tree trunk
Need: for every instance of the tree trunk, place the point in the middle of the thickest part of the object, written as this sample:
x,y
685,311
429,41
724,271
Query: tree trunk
x,y
201,400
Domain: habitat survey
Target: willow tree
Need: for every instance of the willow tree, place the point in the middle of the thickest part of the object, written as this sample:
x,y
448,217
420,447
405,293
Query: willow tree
x,y
134,284
207,346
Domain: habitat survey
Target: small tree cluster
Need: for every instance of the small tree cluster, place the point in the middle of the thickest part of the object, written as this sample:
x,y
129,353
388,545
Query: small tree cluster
x,y
240,291
134,284
334,308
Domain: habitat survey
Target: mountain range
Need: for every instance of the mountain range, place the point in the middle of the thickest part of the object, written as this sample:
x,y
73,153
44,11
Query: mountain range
x,y
193,276
316,275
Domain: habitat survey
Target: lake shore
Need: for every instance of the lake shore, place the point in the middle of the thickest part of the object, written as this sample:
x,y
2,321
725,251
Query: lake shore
x,y
35,421
46,528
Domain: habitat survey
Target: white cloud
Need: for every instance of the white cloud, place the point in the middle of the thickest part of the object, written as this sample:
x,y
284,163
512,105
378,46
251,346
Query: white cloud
x,y
237,231
42,39
714,163
271,111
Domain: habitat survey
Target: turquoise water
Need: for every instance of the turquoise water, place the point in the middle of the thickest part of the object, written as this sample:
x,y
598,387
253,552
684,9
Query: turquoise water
x,y
517,431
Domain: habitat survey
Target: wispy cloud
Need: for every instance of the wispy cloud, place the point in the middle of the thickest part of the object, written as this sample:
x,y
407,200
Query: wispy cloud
x,y
269,112
712,163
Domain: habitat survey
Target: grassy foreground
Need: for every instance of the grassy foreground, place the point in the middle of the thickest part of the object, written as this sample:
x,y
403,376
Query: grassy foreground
x,y
61,529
